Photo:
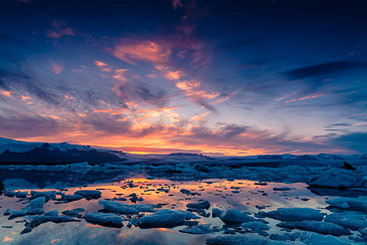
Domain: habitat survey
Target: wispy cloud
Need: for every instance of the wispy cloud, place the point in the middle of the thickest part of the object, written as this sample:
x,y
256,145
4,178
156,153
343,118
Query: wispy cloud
x,y
60,29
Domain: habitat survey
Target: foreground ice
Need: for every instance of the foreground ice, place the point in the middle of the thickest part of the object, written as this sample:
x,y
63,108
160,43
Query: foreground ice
x,y
198,229
89,194
311,238
359,203
242,240
324,228
256,226
199,205
163,218
121,208
339,178
105,219
36,220
293,214
232,217
34,207
348,220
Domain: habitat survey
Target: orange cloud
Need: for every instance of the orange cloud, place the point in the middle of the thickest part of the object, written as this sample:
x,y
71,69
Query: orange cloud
x,y
68,97
199,117
24,97
6,93
100,63
130,51
308,97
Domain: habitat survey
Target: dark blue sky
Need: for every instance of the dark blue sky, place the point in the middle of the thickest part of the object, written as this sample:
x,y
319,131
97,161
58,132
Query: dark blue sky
x,y
227,77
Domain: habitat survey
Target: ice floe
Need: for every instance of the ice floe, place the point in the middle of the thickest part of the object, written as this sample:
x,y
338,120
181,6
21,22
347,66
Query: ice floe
x,y
198,229
359,203
121,208
232,216
163,218
89,194
293,214
105,219
324,228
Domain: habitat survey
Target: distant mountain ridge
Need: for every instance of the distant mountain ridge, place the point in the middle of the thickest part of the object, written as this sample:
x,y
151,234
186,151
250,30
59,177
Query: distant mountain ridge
x,y
19,152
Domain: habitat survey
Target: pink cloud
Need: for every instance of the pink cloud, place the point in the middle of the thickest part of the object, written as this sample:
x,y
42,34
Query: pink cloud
x,y
60,29
57,68
176,3
308,97
132,50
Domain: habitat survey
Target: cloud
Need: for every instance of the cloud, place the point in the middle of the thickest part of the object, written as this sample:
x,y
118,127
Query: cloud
x,y
60,29
176,3
131,50
355,141
324,69
308,97
6,93
56,68
22,126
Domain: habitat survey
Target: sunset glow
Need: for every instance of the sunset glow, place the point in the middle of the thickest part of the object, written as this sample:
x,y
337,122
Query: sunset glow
x,y
221,78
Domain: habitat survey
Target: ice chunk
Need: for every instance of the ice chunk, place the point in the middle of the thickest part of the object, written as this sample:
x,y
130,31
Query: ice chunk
x,y
34,207
121,208
311,238
190,215
347,220
232,217
21,194
256,226
74,212
199,205
293,214
36,220
339,178
52,213
89,194
9,193
240,240
359,203
198,229
71,198
105,219
165,218
324,228
281,189
46,194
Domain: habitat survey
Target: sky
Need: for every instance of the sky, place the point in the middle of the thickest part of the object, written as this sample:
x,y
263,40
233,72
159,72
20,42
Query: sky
x,y
213,77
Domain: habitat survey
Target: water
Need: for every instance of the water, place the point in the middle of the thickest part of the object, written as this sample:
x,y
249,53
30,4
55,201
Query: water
x,y
224,194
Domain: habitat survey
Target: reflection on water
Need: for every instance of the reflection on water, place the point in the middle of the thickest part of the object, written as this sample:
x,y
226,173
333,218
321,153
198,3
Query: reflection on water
x,y
243,195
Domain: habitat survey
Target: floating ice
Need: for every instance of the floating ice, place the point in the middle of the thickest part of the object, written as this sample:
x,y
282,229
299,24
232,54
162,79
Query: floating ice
x,y
198,229
121,208
89,194
293,214
36,220
232,217
199,205
34,207
256,226
105,219
339,178
324,228
359,203
166,218
348,220
241,240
